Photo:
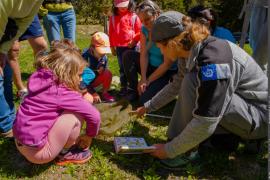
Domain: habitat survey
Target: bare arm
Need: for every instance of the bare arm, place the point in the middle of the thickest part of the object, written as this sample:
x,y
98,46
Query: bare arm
x,y
143,64
160,70
143,56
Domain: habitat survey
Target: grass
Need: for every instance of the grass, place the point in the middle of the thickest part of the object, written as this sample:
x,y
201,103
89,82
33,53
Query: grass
x,y
105,164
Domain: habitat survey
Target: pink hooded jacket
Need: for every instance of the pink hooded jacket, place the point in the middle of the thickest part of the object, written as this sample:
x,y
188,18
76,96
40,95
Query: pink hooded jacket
x,y
45,102
121,31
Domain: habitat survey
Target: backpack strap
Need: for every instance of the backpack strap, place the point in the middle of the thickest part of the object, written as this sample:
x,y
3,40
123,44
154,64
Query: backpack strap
x,y
113,21
133,20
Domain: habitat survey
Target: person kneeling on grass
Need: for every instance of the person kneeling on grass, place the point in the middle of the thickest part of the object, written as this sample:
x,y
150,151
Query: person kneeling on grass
x,y
49,120
222,91
97,74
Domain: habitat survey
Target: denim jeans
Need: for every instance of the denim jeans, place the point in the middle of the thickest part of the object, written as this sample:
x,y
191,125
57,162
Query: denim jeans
x,y
258,35
7,108
53,22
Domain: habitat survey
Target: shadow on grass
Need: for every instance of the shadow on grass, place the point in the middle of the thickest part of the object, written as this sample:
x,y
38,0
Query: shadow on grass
x,y
213,164
165,111
134,164
25,76
14,165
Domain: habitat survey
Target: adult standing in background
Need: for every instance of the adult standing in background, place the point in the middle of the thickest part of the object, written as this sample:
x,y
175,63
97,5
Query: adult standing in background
x,y
256,17
57,14
258,33
34,35
15,17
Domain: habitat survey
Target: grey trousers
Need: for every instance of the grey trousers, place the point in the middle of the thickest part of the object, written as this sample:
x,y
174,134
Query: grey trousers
x,y
240,118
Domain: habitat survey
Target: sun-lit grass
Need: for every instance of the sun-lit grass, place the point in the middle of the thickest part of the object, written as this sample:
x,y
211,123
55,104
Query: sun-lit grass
x,y
105,164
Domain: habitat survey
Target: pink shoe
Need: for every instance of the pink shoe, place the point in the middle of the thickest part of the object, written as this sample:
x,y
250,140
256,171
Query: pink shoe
x,y
107,97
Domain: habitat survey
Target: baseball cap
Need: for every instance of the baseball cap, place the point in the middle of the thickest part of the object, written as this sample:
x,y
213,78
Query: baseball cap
x,y
100,41
167,25
121,3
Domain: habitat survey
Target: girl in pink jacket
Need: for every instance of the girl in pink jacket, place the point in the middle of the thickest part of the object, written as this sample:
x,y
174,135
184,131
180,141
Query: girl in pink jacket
x,y
49,120
124,33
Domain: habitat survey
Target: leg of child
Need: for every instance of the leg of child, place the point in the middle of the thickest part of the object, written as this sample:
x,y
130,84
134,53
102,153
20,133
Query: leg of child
x,y
63,134
104,79
131,63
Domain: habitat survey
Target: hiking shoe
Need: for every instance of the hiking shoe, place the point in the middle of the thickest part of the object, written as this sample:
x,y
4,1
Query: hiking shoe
x,y
179,161
107,97
123,91
21,94
75,156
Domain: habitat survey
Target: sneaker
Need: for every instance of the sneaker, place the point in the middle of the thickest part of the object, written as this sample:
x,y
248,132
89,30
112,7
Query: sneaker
x,y
123,91
180,160
75,156
107,97
22,93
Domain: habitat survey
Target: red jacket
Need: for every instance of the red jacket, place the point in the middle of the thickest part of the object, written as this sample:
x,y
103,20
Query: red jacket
x,y
122,30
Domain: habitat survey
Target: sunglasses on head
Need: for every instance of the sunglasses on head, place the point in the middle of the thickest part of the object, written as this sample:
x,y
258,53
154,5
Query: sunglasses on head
x,y
142,7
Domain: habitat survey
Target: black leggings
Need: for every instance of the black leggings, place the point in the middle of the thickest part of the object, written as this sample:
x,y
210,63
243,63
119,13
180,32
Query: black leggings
x,y
131,63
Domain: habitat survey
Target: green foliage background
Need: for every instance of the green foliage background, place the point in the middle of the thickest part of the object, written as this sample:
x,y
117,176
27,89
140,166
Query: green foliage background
x,y
91,11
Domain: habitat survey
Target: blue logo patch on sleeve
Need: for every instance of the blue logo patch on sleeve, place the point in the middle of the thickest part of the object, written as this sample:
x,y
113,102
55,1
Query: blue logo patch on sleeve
x,y
209,72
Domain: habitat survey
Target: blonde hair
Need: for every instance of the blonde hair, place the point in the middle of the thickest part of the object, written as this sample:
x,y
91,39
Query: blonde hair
x,y
194,33
65,60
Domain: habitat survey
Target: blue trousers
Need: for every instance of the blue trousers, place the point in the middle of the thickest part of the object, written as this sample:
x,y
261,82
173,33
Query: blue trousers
x,y
53,22
7,108
258,35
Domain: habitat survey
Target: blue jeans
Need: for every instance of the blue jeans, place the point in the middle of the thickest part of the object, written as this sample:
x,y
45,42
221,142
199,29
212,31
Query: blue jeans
x,y
258,35
7,108
53,22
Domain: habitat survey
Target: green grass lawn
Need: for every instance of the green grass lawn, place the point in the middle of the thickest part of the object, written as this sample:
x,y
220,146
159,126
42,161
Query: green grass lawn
x,y
106,164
